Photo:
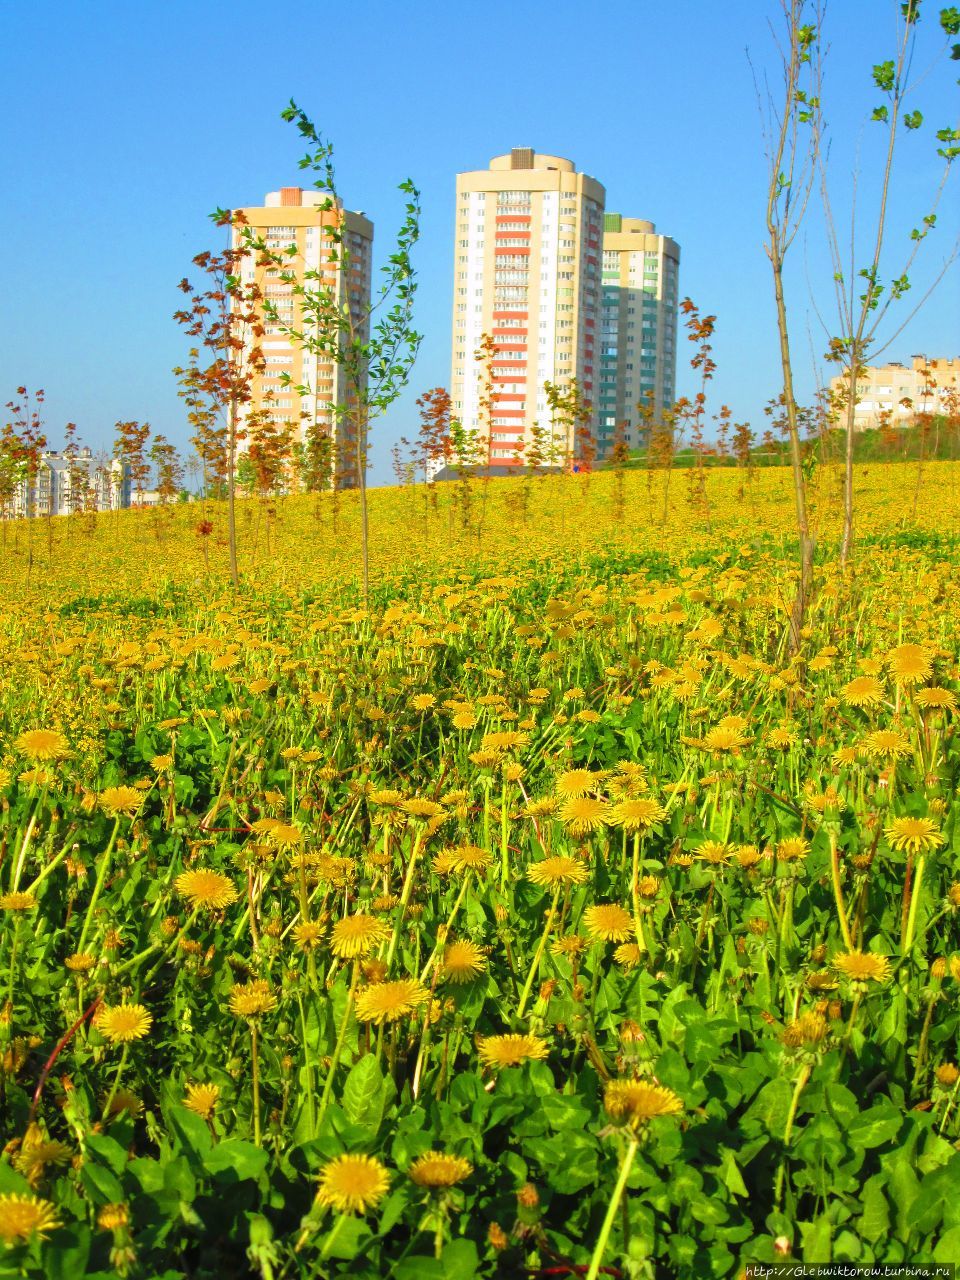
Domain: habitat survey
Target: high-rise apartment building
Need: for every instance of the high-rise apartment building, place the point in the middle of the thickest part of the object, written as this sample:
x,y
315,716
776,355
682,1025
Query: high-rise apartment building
x,y
296,217
526,273
639,353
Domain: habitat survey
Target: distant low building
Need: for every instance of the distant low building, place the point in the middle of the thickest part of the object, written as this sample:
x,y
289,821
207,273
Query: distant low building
x,y
68,483
896,394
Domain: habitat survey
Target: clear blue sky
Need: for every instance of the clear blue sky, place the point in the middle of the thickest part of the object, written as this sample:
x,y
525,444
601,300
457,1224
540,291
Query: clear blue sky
x,y
126,124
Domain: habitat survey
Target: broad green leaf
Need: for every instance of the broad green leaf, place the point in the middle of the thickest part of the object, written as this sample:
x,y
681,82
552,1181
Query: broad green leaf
x,y
365,1094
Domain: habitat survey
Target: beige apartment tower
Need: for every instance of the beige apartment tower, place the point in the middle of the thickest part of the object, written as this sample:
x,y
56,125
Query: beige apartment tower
x,y
895,393
639,353
527,273
295,217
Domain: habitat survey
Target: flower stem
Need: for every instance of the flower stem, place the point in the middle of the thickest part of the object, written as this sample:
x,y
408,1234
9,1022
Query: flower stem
x,y
255,1076
802,1079
101,877
116,1083
525,993
404,898
838,893
612,1208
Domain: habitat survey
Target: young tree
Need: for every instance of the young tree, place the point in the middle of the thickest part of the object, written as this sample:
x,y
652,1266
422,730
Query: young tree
x,y
374,344
792,134
130,449
435,446
227,320
27,444
571,443
863,295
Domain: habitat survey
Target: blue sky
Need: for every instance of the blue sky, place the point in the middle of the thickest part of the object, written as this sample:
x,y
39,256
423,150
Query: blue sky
x,y
125,125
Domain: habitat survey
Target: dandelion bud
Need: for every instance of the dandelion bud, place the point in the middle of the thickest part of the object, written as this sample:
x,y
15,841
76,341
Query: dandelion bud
x,y
835,1009
169,926
954,966
630,1032
947,1075
496,1237
782,1247
528,1197
546,991
501,913
818,954
953,896
578,991
758,926
938,969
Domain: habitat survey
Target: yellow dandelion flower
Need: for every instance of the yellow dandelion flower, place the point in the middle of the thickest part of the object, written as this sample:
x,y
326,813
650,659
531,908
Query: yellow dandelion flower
x,y
806,1032
161,763
18,902
285,834
886,744
356,935
914,835
120,802
637,1102
43,744
512,1050
79,962
307,934
124,1102
423,810
122,1023
578,782
558,870
637,814
23,1217
936,699
582,815
202,1099
252,999
792,848
716,852
863,691
423,701
909,664
113,1217
570,945
608,922
205,888
464,720
36,1152
462,961
435,1169
862,966
388,1001
627,955
352,1184
724,738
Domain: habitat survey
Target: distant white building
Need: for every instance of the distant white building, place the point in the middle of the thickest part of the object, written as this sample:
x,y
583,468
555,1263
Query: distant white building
x,y
66,484
896,394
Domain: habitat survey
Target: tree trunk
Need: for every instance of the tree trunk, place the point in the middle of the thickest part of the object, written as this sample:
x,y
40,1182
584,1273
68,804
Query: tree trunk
x,y
231,493
846,544
799,610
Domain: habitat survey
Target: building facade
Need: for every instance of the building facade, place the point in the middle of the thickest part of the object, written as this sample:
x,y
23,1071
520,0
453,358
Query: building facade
x,y
527,275
896,393
638,359
66,484
295,218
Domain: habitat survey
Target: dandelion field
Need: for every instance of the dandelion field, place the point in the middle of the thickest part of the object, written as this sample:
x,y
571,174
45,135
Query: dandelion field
x,y
546,913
